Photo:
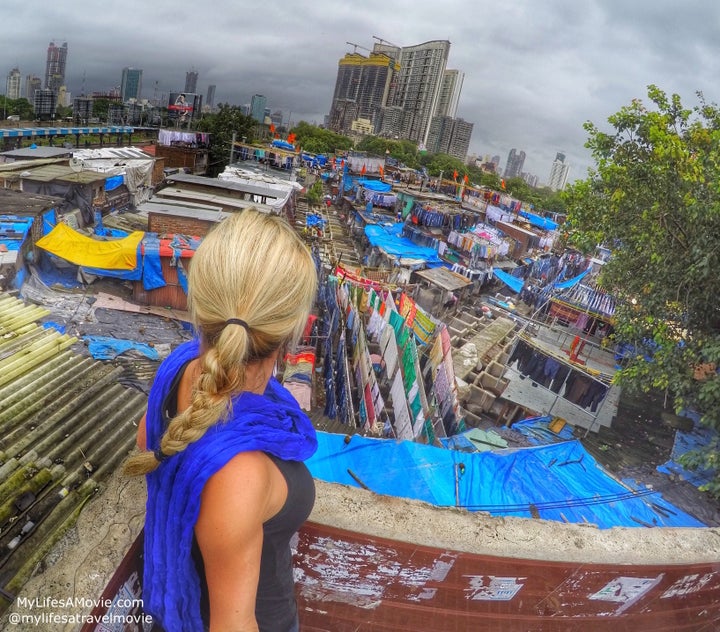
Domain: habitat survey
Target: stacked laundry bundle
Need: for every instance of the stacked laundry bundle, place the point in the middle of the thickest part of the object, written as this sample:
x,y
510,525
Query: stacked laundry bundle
x,y
298,374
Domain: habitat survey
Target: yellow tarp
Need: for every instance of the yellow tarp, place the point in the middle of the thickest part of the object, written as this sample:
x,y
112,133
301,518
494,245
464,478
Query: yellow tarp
x,y
68,244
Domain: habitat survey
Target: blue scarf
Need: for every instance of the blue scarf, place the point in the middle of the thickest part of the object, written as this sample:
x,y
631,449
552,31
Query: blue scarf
x,y
272,423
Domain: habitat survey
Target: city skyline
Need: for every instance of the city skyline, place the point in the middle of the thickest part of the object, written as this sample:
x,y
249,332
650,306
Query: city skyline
x,y
533,75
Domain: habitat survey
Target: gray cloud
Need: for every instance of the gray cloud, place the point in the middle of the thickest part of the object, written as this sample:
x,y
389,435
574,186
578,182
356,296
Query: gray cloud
x,y
534,72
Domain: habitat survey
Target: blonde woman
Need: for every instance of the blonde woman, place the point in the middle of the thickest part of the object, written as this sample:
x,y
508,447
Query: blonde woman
x,y
223,442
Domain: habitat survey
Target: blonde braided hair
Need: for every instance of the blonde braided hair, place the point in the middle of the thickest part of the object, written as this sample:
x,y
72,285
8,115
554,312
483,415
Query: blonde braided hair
x,y
251,269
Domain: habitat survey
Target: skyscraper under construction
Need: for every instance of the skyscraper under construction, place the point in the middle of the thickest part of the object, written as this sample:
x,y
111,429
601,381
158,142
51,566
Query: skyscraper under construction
x,y
55,67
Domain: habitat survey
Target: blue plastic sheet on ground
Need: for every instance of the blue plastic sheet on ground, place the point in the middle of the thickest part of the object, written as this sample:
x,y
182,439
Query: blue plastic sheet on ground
x,y
560,482
399,246
537,431
107,348
512,282
312,220
50,324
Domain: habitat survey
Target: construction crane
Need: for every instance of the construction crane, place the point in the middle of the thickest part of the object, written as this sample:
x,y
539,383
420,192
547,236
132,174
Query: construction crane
x,y
356,46
383,41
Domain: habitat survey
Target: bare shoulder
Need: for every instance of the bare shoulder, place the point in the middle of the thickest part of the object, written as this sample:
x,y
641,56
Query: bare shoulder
x,y
245,488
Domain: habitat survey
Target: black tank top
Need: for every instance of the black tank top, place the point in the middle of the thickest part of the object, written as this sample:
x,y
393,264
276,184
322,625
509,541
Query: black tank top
x,y
275,607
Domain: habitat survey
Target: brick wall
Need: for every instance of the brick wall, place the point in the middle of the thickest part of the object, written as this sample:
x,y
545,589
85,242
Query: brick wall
x,y
172,224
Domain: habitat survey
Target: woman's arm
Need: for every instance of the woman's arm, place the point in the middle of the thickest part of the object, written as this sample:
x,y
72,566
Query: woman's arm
x,y
229,530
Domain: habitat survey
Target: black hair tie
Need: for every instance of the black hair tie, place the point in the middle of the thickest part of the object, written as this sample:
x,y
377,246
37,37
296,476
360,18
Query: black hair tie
x,y
238,321
160,456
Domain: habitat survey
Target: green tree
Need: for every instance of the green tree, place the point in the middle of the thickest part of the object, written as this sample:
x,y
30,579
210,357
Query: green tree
x,y
221,125
100,108
317,140
19,107
654,198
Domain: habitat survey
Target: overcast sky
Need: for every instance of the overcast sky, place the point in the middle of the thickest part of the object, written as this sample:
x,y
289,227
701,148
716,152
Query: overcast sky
x,y
535,70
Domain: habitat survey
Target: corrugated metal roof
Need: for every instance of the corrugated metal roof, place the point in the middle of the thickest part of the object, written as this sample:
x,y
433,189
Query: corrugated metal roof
x,y
47,173
66,425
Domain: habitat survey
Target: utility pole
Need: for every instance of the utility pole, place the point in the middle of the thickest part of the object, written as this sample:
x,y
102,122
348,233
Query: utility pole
x,y
232,149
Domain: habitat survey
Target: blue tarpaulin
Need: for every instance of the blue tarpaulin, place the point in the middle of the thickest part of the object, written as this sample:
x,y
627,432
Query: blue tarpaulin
x,y
152,268
107,348
570,282
539,221
688,441
13,230
399,246
283,144
560,482
113,182
538,432
512,282
375,185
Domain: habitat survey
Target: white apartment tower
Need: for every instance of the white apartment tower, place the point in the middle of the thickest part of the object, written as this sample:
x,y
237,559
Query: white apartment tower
x,y
558,173
416,88
13,84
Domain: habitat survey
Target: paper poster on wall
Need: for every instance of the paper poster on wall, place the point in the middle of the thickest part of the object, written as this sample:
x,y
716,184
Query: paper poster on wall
x,y
492,588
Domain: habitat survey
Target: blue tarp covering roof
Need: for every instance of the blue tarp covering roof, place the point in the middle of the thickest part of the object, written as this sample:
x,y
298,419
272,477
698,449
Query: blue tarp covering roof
x,y
537,430
539,221
13,230
375,185
570,282
512,282
561,481
399,246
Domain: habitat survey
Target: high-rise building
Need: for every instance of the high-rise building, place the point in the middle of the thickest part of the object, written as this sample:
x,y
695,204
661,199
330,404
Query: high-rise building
x,y
32,85
257,107
449,96
82,110
210,101
417,87
64,98
131,84
277,119
558,173
55,67
515,163
45,104
13,84
361,89
191,78
450,136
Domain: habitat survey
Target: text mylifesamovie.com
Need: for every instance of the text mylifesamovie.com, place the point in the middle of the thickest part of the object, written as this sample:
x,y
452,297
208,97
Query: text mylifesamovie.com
x,y
59,611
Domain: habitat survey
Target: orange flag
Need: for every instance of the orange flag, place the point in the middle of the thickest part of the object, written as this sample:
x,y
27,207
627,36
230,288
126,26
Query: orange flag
x,y
502,184
382,171
272,128
465,179
363,171
291,138
455,174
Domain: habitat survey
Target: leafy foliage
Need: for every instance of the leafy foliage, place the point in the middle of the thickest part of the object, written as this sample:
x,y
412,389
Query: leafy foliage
x,y
316,140
654,199
221,125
